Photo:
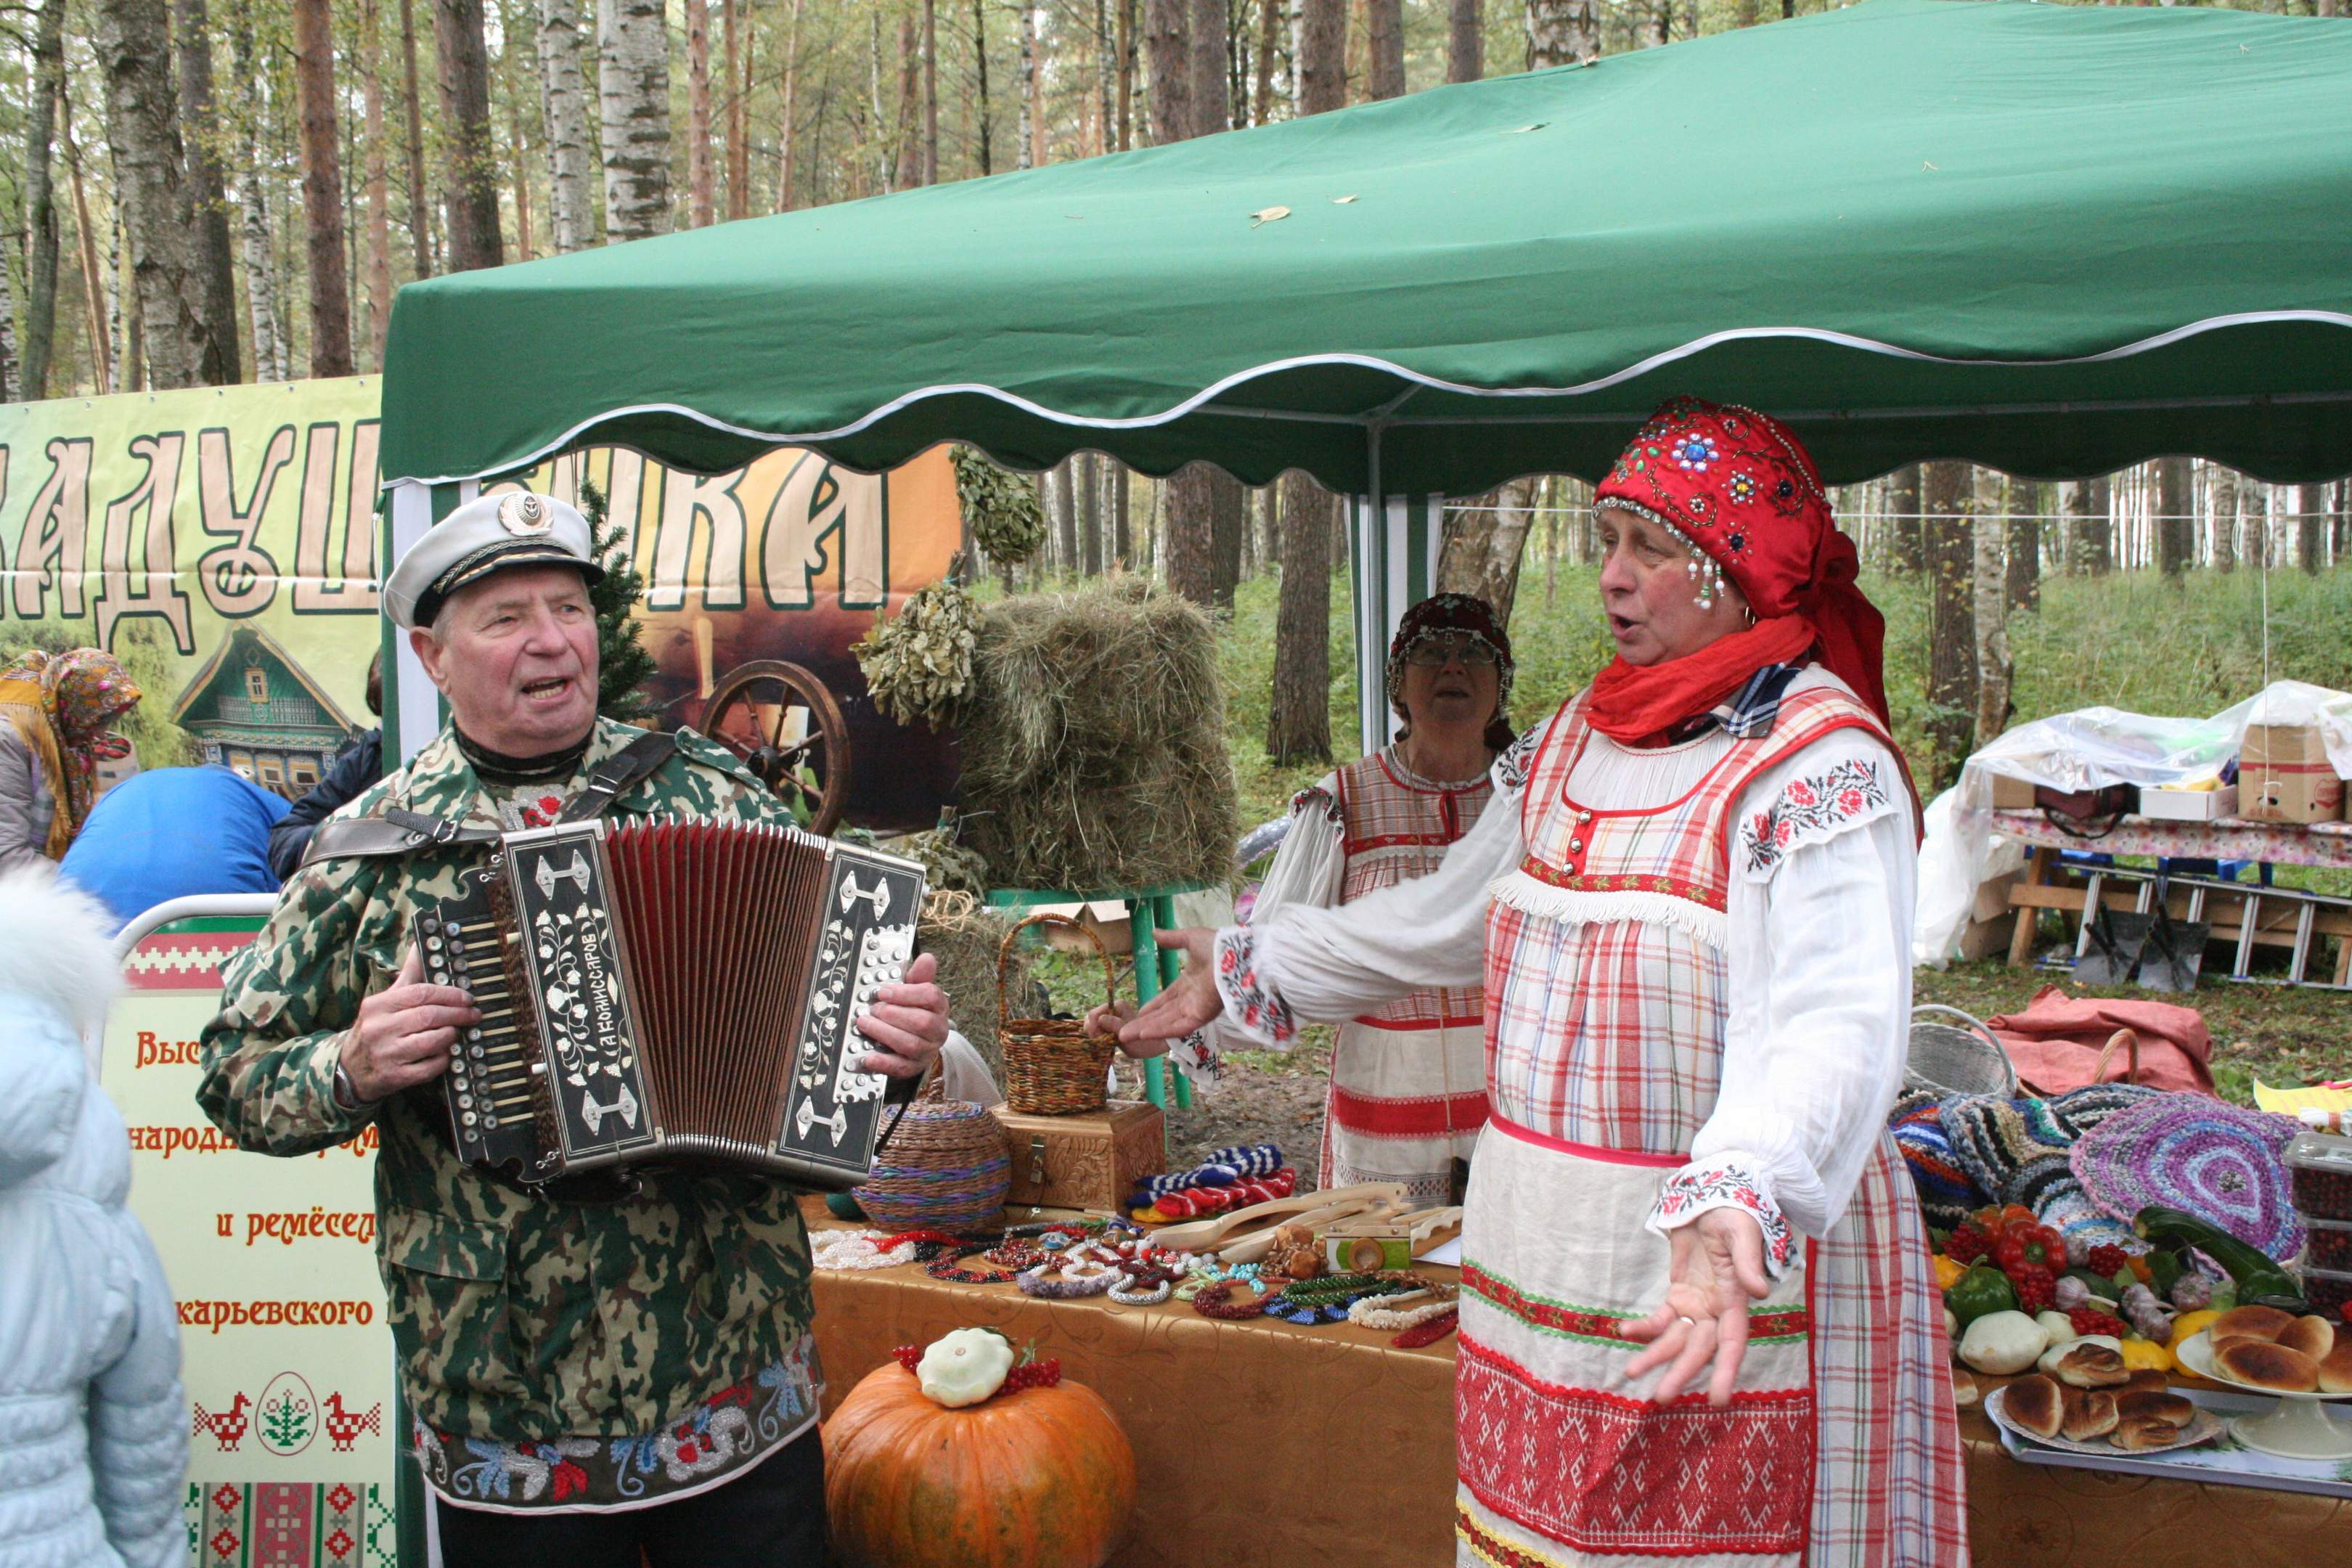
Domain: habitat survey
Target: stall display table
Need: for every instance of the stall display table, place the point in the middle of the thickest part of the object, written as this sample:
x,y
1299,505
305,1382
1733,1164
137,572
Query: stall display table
x,y
1256,1442
2281,917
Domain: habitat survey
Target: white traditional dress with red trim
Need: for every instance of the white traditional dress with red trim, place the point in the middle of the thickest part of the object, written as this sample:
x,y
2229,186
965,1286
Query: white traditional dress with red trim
x,y
1696,963
1408,1090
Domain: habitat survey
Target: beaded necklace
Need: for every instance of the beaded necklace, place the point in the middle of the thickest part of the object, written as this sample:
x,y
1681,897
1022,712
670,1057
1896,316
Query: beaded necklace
x,y
1214,1299
950,1268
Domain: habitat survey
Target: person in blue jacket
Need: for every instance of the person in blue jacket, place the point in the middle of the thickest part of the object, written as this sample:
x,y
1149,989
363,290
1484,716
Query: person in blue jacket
x,y
172,832
354,770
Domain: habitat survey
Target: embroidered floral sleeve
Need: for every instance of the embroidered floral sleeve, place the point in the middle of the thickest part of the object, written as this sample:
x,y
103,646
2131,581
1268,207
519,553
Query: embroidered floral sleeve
x,y
1313,798
1250,1005
1727,1181
1511,769
1813,807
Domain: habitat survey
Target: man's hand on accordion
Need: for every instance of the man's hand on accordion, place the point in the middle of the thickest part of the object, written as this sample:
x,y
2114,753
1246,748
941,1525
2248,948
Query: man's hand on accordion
x,y
404,1033
909,1021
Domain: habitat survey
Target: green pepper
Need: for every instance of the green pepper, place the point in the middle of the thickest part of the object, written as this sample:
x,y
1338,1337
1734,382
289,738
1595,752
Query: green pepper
x,y
1983,1288
2259,1280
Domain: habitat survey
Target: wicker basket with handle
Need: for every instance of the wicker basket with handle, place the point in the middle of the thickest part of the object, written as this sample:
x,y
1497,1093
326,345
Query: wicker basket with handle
x,y
1962,1058
945,1167
1052,1066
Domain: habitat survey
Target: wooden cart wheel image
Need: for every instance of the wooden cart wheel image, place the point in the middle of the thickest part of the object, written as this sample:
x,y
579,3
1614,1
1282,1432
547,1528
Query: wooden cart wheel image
x,y
780,719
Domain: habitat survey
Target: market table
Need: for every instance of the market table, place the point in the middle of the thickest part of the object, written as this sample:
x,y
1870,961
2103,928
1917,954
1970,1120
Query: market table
x,y
2279,917
1261,1442
1256,1442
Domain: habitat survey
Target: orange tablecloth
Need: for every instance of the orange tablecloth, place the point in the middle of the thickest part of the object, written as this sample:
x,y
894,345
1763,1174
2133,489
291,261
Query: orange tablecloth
x,y
1256,1442
1262,1442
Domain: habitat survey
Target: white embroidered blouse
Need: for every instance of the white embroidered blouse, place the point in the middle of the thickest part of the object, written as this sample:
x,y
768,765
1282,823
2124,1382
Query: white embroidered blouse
x,y
1818,957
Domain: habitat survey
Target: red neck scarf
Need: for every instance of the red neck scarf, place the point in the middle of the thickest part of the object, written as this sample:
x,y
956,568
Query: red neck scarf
x,y
1636,703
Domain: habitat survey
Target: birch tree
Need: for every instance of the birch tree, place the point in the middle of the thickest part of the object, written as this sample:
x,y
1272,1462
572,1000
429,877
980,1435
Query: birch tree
x,y
563,108
1990,607
41,224
633,88
150,191
257,252
1562,32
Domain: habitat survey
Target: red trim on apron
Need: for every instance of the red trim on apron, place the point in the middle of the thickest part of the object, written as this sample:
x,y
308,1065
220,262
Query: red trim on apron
x,y
1587,1150
1431,1116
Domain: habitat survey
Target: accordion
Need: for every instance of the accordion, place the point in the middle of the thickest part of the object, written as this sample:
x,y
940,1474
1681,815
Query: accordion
x,y
676,989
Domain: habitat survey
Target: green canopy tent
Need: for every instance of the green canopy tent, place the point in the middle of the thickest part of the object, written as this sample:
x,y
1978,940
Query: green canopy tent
x,y
2052,239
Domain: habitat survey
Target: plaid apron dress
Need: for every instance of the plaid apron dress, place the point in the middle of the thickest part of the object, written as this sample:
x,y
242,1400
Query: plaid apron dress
x,y
1607,996
1408,1081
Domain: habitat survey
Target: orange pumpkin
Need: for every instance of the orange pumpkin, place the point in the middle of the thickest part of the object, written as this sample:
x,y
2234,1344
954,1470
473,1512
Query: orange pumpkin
x,y
1040,1478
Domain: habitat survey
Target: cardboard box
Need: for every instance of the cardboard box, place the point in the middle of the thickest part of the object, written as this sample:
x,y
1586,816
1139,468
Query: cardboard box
x,y
2012,794
1088,1161
2189,804
2283,776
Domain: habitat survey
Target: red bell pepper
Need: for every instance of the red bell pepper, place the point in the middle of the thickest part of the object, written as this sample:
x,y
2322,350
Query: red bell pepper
x,y
2029,1245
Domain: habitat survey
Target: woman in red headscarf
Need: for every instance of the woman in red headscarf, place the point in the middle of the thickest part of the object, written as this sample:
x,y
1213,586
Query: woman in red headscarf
x,y
1697,1320
58,714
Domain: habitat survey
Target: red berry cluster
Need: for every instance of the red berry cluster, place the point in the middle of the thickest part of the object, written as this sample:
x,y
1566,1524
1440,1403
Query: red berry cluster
x,y
908,1356
2037,1288
2108,1259
1966,1244
2091,1321
1032,1375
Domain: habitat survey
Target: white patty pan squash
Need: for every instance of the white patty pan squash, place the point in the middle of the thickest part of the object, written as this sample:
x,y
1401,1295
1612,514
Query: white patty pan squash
x,y
964,1366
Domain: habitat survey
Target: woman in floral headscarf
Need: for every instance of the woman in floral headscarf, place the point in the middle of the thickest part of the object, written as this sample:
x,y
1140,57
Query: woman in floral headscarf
x,y
1690,906
1408,1092
59,711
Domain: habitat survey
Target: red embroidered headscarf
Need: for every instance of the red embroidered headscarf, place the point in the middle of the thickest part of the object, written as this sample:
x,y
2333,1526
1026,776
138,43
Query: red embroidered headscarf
x,y
1739,488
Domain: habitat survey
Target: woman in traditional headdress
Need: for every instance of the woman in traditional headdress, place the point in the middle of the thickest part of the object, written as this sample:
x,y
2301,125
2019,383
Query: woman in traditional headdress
x,y
1408,1093
59,713
1690,905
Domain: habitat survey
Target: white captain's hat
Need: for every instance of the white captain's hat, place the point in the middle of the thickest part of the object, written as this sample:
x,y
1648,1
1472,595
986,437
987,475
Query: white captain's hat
x,y
489,534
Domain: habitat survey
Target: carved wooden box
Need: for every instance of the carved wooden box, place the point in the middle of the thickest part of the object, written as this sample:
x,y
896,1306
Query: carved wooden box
x,y
1087,1161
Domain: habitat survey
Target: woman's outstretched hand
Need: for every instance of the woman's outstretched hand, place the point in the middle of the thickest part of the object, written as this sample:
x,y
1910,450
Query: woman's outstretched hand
x,y
1190,1003
1717,1268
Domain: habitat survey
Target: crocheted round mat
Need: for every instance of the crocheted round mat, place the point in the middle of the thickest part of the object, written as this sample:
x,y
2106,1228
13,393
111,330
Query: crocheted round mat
x,y
1945,1192
2190,1151
2015,1152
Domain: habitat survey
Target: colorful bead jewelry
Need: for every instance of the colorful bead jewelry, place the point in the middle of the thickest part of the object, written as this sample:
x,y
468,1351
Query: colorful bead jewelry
x,y
950,1270
1016,1255
1427,1333
847,1249
1404,1310
1215,1300
1136,1294
1066,1281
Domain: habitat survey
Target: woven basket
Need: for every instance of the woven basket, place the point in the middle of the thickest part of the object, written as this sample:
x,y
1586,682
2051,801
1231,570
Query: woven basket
x,y
1052,1066
945,1167
1962,1058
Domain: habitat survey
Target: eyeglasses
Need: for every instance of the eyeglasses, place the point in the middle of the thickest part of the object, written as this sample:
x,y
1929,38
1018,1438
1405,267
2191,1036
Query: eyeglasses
x,y
1430,652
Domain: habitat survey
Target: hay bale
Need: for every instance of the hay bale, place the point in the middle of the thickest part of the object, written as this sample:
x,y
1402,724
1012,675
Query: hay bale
x,y
1094,741
965,938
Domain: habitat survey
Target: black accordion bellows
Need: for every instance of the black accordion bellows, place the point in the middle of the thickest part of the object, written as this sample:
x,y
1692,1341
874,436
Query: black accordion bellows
x,y
671,990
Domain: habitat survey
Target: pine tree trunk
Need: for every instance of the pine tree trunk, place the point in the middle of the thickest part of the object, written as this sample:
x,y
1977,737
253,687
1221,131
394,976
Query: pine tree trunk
x,y
2024,534
1126,74
471,173
1190,556
1322,66
563,109
322,189
2311,527
1087,470
1228,517
207,200
1465,40
379,184
1169,39
907,135
2095,500
1949,501
735,59
2174,525
1210,43
101,365
43,229
149,187
1562,32
1025,155
784,128
931,92
526,240
1122,529
1384,48
2225,518
1484,543
420,228
1907,549
1989,584
1269,20
1299,721
632,92
701,197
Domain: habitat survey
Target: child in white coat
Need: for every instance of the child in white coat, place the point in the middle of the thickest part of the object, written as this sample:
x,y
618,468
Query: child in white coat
x,y
93,1425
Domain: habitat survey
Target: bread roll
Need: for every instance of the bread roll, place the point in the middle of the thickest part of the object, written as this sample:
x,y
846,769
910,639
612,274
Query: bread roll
x,y
2143,1404
2088,1415
1965,1392
2313,1336
2270,1366
2087,1365
2148,1378
2254,1322
2144,1433
2336,1372
2032,1405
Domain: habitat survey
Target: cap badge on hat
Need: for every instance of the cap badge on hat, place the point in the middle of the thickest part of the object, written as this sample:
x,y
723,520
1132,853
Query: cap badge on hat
x,y
524,515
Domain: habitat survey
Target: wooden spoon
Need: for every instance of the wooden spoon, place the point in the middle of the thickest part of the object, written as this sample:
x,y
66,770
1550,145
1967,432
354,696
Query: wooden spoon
x,y
1204,1234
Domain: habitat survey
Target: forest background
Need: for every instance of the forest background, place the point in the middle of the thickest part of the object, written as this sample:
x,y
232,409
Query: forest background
x,y
201,192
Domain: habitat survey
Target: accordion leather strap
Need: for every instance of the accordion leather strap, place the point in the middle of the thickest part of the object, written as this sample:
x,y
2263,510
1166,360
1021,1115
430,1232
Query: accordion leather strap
x,y
401,832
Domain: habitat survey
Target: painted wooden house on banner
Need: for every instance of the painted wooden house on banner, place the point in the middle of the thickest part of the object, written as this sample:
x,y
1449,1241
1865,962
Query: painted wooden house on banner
x,y
255,711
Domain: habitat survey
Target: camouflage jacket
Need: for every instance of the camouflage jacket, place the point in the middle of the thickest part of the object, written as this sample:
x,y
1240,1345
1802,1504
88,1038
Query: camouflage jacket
x,y
552,1354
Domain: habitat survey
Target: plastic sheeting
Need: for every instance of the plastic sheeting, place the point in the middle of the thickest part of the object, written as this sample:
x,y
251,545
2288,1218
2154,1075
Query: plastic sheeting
x,y
2088,749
